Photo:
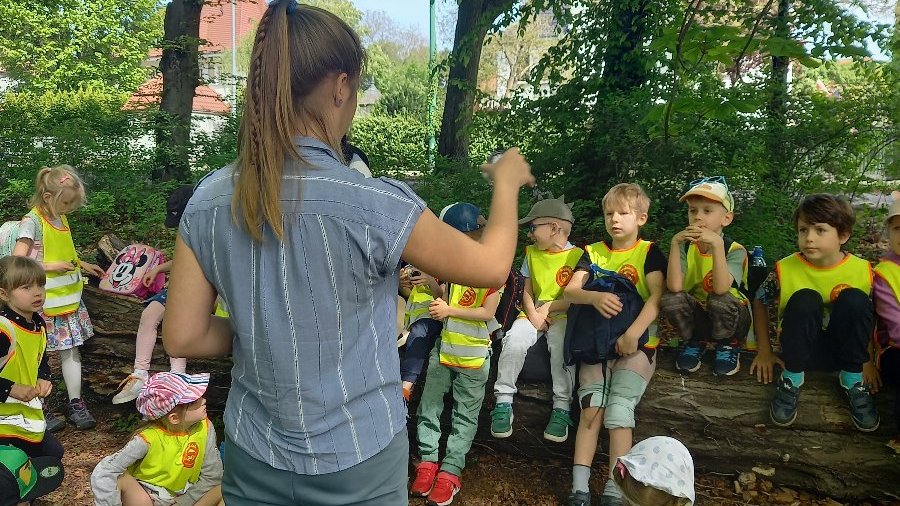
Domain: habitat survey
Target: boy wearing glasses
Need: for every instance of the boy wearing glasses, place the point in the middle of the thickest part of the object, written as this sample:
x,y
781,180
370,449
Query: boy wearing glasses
x,y
548,267
706,277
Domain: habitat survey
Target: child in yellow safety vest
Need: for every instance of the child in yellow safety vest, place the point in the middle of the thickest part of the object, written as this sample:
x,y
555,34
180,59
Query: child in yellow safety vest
x,y
24,371
825,314
44,235
886,293
460,362
420,290
610,392
707,278
174,459
548,267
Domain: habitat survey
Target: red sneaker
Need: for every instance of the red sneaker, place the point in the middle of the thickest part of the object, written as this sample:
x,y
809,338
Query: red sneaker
x,y
445,489
424,482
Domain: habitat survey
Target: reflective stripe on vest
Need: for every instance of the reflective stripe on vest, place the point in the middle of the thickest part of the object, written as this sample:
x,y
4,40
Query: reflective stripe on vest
x,y
550,273
631,264
173,461
796,273
23,420
698,276
63,289
420,297
465,343
890,273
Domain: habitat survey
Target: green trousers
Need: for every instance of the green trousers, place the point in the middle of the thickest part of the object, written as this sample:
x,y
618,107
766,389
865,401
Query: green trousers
x,y
467,387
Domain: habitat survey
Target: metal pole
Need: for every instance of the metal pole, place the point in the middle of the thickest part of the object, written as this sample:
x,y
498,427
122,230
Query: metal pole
x,y
233,59
432,89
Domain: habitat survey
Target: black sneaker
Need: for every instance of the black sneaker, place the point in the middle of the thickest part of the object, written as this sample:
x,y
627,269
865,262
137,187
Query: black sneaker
x,y
54,423
862,408
80,416
580,498
783,409
727,362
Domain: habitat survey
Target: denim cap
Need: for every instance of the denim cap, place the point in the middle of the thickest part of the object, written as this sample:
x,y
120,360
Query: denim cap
x,y
462,216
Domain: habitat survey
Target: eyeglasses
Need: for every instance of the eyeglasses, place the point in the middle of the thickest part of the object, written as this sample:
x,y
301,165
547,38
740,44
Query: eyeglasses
x,y
532,226
710,179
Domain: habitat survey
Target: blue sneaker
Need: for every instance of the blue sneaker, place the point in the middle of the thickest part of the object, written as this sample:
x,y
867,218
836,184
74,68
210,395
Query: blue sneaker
x,y
689,358
783,410
862,408
727,362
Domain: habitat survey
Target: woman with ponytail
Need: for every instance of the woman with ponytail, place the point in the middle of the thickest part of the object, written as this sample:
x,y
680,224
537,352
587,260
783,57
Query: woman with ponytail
x,y
305,253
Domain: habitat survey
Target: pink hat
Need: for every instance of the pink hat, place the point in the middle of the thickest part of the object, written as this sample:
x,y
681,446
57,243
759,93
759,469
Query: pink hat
x,y
165,390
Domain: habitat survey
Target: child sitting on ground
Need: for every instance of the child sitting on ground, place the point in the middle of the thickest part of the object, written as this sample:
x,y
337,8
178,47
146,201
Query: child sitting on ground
x,y
610,392
887,305
548,267
172,460
658,471
153,312
825,313
706,274
460,362
24,371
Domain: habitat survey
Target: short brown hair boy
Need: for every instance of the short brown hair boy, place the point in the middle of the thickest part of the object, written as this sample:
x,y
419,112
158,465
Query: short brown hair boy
x,y
826,208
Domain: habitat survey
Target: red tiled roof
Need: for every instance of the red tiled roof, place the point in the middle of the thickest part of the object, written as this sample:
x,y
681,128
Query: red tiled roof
x,y
206,100
215,22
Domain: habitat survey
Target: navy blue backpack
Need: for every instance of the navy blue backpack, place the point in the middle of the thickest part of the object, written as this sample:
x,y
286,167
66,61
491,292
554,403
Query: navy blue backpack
x,y
591,337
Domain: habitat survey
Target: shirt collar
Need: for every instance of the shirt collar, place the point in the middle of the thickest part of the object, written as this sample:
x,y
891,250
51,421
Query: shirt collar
x,y
35,324
307,143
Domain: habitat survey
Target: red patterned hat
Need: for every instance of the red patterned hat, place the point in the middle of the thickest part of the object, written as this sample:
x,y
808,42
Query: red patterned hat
x,y
165,390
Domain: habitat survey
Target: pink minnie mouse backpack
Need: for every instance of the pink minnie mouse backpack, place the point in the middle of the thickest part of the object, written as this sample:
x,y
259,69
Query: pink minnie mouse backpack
x,y
124,276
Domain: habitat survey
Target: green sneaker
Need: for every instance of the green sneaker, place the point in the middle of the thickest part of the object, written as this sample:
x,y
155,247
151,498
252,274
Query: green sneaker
x,y
501,420
558,427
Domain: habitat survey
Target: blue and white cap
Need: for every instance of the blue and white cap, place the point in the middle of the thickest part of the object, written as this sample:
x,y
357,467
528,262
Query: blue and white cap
x,y
462,216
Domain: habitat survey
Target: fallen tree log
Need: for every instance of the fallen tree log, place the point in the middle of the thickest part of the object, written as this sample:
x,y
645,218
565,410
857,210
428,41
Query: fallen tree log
x,y
725,424
723,421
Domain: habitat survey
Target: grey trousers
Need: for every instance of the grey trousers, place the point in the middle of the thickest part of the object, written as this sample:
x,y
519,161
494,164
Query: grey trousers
x,y
380,480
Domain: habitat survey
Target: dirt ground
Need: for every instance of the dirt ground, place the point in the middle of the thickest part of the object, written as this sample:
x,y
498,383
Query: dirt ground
x,y
489,479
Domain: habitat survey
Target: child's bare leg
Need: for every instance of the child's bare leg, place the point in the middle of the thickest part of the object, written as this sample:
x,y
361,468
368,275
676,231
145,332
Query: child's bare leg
x,y
212,497
620,442
133,494
587,436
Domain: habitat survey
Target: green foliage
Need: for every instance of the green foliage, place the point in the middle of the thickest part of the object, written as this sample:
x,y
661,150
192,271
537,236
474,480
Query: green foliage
x,y
70,44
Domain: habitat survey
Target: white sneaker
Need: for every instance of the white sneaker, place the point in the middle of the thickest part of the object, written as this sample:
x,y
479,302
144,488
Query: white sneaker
x,y
401,339
129,389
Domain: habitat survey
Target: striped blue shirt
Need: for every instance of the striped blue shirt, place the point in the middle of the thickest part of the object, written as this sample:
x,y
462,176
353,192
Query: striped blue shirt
x,y
315,385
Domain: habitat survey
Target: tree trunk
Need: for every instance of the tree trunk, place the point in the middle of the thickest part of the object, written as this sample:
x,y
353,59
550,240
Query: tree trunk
x,y
624,68
180,76
475,18
778,98
111,314
725,424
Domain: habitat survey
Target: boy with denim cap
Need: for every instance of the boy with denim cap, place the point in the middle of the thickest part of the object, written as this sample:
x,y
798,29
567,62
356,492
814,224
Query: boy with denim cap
x,y
548,267
459,362
705,276
826,315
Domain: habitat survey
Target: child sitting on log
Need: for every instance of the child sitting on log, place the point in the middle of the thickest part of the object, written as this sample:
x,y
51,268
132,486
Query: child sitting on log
x,y
887,305
825,314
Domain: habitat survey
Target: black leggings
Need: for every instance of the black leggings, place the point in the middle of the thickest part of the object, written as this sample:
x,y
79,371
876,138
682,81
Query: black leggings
x,y
48,447
843,345
890,374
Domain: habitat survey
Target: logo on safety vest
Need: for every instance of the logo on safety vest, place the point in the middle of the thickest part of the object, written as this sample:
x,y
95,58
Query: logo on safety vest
x,y
468,298
630,272
189,457
708,282
563,275
837,291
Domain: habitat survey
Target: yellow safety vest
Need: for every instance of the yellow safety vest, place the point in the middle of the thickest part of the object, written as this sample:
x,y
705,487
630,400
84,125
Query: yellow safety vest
x,y
630,264
698,275
550,272
20,419
420,297
890,273
63,289
174,460
221,308
465,343
796,273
